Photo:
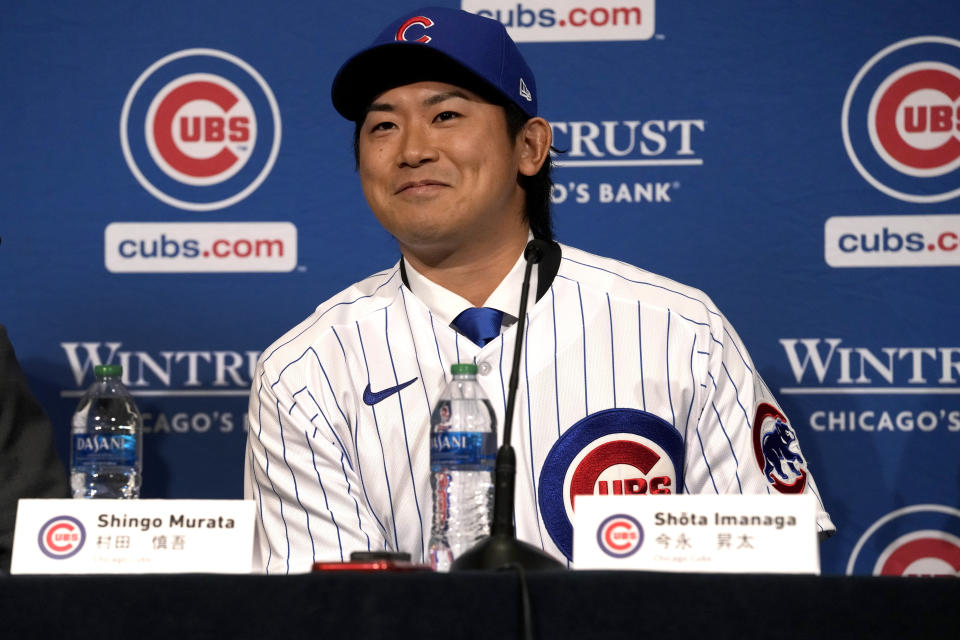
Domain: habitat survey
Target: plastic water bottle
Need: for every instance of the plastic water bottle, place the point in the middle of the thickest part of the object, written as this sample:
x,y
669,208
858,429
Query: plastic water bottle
x,y
463,450
106,449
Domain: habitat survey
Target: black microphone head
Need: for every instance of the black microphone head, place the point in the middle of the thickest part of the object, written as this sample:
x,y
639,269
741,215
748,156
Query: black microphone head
x,y
535,250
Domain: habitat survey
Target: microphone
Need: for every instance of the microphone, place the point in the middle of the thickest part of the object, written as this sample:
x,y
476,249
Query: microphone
x,y
501,548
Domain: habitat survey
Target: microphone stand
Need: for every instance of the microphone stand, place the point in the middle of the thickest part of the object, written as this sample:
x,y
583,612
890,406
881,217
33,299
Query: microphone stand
x,y
501,548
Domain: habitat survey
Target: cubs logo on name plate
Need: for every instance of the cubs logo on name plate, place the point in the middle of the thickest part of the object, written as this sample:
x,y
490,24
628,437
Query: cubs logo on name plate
x,y
61,537
612,452
919,540
900,120
620,535
200,129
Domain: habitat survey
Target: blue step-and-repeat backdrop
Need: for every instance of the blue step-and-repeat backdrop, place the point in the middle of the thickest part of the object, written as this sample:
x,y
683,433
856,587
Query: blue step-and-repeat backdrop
x,y
177,191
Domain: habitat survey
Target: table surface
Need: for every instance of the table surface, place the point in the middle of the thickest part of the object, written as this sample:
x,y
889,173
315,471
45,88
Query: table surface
x,y
564,604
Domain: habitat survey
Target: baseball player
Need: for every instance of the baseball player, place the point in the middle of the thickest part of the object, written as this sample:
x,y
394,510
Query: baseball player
x,y
630,383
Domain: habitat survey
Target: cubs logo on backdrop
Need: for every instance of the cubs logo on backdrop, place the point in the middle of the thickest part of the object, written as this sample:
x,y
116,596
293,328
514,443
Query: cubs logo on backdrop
x,y
612,452
919,540
200,129
901,120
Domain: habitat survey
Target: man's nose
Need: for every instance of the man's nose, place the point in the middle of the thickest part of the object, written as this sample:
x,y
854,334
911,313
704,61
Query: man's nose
x,y
416,147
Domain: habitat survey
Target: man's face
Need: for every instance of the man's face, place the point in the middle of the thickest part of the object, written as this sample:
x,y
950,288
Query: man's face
x,y
438,169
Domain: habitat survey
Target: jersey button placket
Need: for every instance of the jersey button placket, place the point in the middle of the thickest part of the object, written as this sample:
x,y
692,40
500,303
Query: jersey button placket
x,y
484,368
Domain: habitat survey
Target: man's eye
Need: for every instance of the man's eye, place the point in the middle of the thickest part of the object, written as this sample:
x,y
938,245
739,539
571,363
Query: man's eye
x,y
382,126
443,116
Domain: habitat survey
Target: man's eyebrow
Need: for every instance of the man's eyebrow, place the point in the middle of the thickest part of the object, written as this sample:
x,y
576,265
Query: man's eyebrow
x,y
446,95
435,99
379,106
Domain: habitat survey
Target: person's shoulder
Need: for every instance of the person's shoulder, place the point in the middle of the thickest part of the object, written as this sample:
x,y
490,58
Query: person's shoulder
x,y
331,317
623,280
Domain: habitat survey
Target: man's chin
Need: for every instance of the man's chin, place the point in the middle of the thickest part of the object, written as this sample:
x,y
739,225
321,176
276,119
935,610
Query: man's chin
x,y
426,241
431,248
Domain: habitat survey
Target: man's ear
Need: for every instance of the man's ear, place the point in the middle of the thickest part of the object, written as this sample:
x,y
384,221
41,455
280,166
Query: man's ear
x,y
533,145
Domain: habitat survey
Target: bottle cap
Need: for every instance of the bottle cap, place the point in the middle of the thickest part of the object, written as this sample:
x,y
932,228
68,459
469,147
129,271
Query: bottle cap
x,y
108,370
461,369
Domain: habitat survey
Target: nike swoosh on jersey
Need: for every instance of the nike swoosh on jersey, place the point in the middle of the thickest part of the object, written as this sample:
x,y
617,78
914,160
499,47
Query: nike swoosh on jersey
x,y
373,397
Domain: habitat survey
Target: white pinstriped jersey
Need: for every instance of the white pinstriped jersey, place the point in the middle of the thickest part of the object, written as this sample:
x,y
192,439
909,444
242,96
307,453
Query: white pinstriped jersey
x,y
332,474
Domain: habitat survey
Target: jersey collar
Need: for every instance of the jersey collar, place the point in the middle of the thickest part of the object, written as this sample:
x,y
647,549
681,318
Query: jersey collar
x,y
447,305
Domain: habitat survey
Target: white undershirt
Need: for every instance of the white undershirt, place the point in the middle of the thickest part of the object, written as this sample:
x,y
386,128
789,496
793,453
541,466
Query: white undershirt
x,y
447,305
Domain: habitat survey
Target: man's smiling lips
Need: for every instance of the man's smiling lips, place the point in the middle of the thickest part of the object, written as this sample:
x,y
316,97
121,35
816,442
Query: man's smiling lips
x,y
419,187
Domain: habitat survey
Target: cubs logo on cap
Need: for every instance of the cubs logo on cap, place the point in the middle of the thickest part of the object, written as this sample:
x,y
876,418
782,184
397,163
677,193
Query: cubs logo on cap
x,y
442,45
612,452
422,21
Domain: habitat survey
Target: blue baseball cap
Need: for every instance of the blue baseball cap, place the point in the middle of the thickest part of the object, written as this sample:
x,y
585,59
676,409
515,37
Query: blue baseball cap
x,y
441,45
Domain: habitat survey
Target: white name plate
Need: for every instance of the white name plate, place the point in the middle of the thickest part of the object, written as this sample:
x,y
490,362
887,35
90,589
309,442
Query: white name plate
x,y
133,536
697,533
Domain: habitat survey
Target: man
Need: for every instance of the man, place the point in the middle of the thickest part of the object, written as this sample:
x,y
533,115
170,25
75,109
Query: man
x,y
621,369
29,466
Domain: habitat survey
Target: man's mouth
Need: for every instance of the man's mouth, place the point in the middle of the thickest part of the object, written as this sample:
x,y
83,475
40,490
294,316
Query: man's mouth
x,y
419,186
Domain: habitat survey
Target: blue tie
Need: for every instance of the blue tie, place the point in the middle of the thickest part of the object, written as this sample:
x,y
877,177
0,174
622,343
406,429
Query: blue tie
x,y
479,324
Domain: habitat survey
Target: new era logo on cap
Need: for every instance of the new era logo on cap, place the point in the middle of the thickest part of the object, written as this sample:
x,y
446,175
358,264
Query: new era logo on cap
x,y
524,91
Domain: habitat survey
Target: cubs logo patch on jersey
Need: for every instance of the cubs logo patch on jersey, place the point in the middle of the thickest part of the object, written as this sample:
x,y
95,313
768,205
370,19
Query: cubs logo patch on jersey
x,y
612,452
777,451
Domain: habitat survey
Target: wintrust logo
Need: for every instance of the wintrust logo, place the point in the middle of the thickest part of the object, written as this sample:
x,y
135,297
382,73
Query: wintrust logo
x,y
569,20
217,377
912,388
656,142
828,365
628,143
165,372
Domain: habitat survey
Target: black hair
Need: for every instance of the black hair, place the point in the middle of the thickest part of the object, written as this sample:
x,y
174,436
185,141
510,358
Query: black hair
x,y
537,188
